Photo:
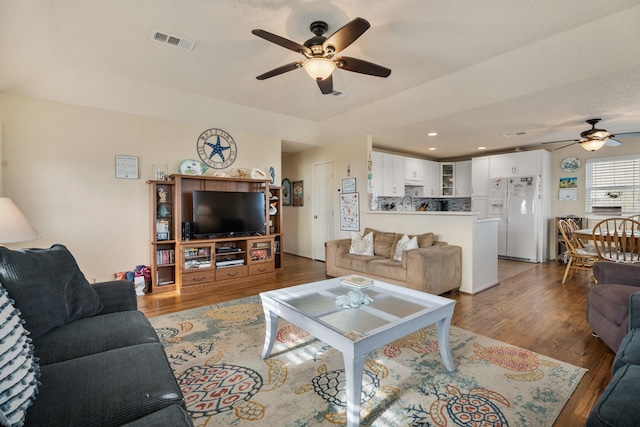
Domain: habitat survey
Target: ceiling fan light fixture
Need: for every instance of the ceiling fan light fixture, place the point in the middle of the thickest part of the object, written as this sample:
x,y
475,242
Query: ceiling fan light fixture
x,y
319,68
592,144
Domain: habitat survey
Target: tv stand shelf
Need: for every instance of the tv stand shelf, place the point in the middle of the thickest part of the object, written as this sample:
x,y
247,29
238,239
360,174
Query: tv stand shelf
x,y
186,264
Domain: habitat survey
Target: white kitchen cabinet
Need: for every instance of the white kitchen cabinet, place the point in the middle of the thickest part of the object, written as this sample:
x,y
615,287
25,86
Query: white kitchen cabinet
x,y
377,172
455,179
447,178
413,171
462,179
431,178
393,184
480,176
521,163
387,174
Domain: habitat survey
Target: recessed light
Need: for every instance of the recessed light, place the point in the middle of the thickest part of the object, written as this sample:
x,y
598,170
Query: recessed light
x,y
482,148
432,148
432,133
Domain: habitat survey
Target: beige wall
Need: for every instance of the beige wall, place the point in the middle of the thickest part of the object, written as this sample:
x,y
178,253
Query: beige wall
x,y
629,146
59,168
298,221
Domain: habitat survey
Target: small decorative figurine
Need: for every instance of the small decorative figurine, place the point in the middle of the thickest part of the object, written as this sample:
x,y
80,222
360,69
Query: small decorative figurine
x,y
162,195
353,299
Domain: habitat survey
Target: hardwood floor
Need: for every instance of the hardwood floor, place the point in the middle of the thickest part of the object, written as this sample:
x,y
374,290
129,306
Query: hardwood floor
x,y
530,308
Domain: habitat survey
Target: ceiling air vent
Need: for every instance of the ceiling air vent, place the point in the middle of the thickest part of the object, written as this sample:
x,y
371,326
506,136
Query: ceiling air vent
x,y
170,39
339,94
511,135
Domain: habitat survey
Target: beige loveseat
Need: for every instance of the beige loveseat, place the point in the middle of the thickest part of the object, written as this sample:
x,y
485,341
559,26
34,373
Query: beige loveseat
x,y
434,267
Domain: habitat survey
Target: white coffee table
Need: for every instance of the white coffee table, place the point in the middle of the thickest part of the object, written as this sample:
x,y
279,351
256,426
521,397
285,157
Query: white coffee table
x,y
395,312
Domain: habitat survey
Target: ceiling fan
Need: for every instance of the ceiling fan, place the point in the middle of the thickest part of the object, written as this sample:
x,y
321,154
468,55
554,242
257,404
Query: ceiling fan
x,y
319,53
593,139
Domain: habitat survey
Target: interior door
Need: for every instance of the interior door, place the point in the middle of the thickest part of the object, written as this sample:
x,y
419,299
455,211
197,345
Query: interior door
x,y
322,208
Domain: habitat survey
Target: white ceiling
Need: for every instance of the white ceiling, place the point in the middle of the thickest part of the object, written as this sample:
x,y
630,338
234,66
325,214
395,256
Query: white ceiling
x,y
469,70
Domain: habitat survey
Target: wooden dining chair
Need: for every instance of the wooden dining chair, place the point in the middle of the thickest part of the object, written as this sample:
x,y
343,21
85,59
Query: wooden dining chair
x,y
578,258
618,240
576,239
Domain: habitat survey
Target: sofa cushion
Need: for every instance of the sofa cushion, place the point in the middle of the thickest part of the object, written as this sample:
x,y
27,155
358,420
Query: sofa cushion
x,y
616,405
389,268
356,263
113,388
92,335
361,245
612,301
404,244
18,369
629,351
47,286
383,242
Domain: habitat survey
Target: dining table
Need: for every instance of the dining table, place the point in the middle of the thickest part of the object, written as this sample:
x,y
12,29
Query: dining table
x,y
588,234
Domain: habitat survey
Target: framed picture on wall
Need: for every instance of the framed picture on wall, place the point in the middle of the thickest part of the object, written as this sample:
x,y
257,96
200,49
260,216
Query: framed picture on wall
x,y
349,185
349,212
298,193
286,192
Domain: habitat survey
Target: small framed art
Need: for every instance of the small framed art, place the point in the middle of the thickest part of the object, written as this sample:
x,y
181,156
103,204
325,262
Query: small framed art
x,y
127,167
286,192
349,185
298,193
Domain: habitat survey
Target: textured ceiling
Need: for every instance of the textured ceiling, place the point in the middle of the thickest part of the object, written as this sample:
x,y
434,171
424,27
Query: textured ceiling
x,y
469,70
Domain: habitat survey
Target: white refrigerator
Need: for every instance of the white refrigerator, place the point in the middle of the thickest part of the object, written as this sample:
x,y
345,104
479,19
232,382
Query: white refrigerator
x,y
517,203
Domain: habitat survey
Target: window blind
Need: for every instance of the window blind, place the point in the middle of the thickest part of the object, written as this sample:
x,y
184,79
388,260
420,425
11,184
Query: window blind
x,y
613,181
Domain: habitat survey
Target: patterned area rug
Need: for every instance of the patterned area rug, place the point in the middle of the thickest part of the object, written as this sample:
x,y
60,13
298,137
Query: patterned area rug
x,y
215,354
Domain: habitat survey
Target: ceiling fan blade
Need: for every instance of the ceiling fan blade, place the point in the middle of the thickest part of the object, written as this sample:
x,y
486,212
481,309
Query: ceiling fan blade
x,y
564,146
346,35
610,142
562,140
280,70
625,135
361,66
281,41
326,85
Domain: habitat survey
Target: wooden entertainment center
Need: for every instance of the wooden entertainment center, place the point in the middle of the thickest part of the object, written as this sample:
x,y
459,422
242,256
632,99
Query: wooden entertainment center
x,y
181,263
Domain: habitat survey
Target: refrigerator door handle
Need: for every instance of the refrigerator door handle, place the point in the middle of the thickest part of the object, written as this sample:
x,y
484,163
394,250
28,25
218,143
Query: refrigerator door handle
x,y
507,207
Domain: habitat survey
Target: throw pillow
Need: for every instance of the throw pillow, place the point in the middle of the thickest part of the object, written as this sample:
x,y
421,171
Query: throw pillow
x,y
361,245
47,287
425,240
404,244
397,252
19,371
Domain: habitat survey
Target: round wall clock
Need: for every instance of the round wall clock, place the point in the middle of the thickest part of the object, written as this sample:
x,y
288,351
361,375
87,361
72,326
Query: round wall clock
x,y
570,164
216,148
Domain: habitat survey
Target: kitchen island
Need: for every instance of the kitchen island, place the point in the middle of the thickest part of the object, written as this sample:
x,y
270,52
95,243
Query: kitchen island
x,y
477,238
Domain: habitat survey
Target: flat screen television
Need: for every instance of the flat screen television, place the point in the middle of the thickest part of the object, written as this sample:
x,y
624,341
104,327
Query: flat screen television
x,y
228,213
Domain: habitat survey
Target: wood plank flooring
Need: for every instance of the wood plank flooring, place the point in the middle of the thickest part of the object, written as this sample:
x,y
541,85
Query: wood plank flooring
x,y
530,308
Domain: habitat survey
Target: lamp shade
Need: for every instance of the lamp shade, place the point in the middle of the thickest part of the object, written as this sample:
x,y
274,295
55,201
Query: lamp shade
x,y
319,68
14,227
592,144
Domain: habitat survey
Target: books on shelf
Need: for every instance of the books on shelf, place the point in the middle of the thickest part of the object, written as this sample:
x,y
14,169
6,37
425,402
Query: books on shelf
x,y
357,281
165,256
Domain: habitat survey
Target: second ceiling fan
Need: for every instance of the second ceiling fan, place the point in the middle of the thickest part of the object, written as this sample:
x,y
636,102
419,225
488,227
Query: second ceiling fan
x,y
319,53
593,139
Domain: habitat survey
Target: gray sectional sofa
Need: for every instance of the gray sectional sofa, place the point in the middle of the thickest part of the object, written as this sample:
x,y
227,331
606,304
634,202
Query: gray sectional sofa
x,y
433,267
76,354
